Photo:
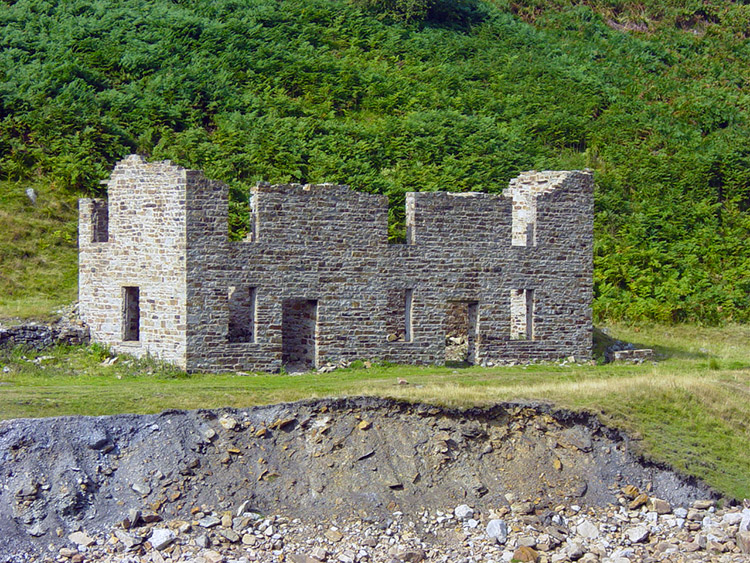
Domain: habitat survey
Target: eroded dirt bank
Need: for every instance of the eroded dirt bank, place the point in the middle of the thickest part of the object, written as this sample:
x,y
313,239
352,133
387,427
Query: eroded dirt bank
x,y
351,457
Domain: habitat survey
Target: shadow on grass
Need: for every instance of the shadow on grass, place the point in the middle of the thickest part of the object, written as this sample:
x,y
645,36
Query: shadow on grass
x,y
463,364
603,341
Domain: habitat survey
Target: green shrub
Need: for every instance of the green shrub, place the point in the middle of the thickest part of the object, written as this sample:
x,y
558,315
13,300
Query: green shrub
x,y
438,11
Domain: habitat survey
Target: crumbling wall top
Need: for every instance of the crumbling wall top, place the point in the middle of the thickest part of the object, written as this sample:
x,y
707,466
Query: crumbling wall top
x,y
524,190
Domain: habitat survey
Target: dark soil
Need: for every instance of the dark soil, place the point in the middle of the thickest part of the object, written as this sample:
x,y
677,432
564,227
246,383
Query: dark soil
x,y
359,457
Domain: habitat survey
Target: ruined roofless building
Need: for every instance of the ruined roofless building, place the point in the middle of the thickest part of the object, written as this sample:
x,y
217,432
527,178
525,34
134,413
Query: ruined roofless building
x,y
316,281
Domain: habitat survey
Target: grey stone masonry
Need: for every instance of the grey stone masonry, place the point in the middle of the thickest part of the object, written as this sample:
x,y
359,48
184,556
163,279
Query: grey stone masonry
x,y
317,281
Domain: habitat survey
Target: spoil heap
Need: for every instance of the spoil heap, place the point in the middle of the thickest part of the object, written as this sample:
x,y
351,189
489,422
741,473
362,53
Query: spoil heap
x,y
386,475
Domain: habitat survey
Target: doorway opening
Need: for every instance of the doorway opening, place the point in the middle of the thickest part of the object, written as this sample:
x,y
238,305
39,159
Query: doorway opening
x,y
461,334
299,334
242,312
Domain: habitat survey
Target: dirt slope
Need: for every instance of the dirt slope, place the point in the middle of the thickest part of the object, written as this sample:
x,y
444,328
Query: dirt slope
x,y
360,457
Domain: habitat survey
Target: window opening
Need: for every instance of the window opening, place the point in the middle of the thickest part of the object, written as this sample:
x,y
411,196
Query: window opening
x,y
252,235
401,225
524,220
522,314
408,298
131,314
398,315
99,221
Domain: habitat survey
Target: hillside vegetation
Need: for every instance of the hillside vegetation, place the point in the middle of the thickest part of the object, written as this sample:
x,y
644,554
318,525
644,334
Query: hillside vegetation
x,y
654,96
38,258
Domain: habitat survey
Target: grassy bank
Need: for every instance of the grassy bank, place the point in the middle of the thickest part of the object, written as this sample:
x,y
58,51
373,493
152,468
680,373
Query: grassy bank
x,y
691,409
38,255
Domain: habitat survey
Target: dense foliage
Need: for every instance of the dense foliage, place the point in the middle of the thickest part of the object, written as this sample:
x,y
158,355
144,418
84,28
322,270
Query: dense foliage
x,y
652,96
446,12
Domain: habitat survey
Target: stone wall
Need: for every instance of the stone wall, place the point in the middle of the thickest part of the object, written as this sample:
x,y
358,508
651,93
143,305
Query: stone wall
x,y
137,239
327,245
38,336
67,330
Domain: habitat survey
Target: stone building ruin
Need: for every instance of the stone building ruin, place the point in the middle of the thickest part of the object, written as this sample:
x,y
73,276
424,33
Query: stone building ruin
x,y
317,281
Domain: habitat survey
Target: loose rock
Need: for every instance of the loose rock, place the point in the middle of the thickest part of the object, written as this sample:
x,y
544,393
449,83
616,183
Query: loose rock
x,y
463,512
638,534
161,538
334,535
587,530
497,530
526,554
79,538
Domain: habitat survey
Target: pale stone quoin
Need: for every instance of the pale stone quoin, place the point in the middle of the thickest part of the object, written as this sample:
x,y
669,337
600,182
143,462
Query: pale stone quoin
x,y
317,281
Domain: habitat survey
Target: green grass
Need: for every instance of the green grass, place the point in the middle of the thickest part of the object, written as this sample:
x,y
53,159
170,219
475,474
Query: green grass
x,y
691,410
38,256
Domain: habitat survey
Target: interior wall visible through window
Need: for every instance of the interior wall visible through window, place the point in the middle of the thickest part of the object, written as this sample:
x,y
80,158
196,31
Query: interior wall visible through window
x,y
522,314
